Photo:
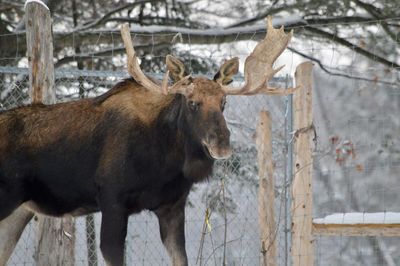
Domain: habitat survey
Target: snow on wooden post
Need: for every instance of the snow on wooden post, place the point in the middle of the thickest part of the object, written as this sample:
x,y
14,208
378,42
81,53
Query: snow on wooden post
x,y
56,242
266,195
302,209
385,224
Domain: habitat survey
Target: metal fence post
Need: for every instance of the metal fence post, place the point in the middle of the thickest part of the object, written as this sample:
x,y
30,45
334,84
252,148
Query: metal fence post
x,y
288,169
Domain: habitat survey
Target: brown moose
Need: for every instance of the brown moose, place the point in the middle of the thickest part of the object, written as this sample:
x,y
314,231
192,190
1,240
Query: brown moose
x,y
139,146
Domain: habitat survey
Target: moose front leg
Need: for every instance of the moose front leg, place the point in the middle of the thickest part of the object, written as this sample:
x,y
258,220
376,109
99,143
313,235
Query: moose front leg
x,y
11,230
172,230
114,223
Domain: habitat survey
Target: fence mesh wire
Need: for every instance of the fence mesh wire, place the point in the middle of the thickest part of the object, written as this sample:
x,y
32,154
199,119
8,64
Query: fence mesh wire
x,y
356,160
355,170
232,190
356,165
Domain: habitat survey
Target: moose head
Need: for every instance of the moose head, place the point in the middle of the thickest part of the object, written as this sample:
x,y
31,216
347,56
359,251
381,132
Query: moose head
x,y
204,98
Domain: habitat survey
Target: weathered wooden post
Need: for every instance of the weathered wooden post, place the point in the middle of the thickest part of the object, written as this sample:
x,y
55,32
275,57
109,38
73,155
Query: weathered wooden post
x,y
56,235
266,195
302,208
40,52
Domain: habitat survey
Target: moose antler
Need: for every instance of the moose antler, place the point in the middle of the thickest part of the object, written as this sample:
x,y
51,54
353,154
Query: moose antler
x,y
258,68
182,87
133,64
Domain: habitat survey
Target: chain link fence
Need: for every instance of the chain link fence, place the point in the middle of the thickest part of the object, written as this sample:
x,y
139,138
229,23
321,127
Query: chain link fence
x,y
229,197
356,164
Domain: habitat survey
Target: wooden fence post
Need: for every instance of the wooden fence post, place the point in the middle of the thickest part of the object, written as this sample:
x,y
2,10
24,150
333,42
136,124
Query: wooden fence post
x,y
266,194
40,53
302,208
56,235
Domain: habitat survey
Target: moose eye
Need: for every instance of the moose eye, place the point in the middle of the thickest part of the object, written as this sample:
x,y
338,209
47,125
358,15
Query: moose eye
x,y
194,106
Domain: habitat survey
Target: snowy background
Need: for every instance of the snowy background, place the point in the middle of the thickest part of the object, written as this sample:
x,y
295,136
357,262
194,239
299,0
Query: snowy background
x,y
356,114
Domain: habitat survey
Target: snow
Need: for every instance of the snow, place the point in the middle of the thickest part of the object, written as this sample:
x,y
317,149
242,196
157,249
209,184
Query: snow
x,y
215,31
36,1
360,218
287,20
204,32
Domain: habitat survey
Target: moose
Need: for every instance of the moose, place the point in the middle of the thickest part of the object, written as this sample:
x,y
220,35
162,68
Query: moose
x,y
140,146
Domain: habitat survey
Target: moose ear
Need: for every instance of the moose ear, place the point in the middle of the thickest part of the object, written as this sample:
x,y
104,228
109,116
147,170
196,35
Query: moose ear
x,y
177,70
227,71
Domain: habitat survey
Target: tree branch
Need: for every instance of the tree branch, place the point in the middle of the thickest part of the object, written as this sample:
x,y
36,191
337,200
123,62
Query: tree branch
x,y
320,21
104,18
15,45
376,13
264,14
149,20
353,47
333,73
108,52
341,20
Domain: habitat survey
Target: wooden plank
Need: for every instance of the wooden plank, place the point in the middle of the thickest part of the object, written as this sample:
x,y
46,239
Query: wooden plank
x,y
386,230
56,241
266,195
302,250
